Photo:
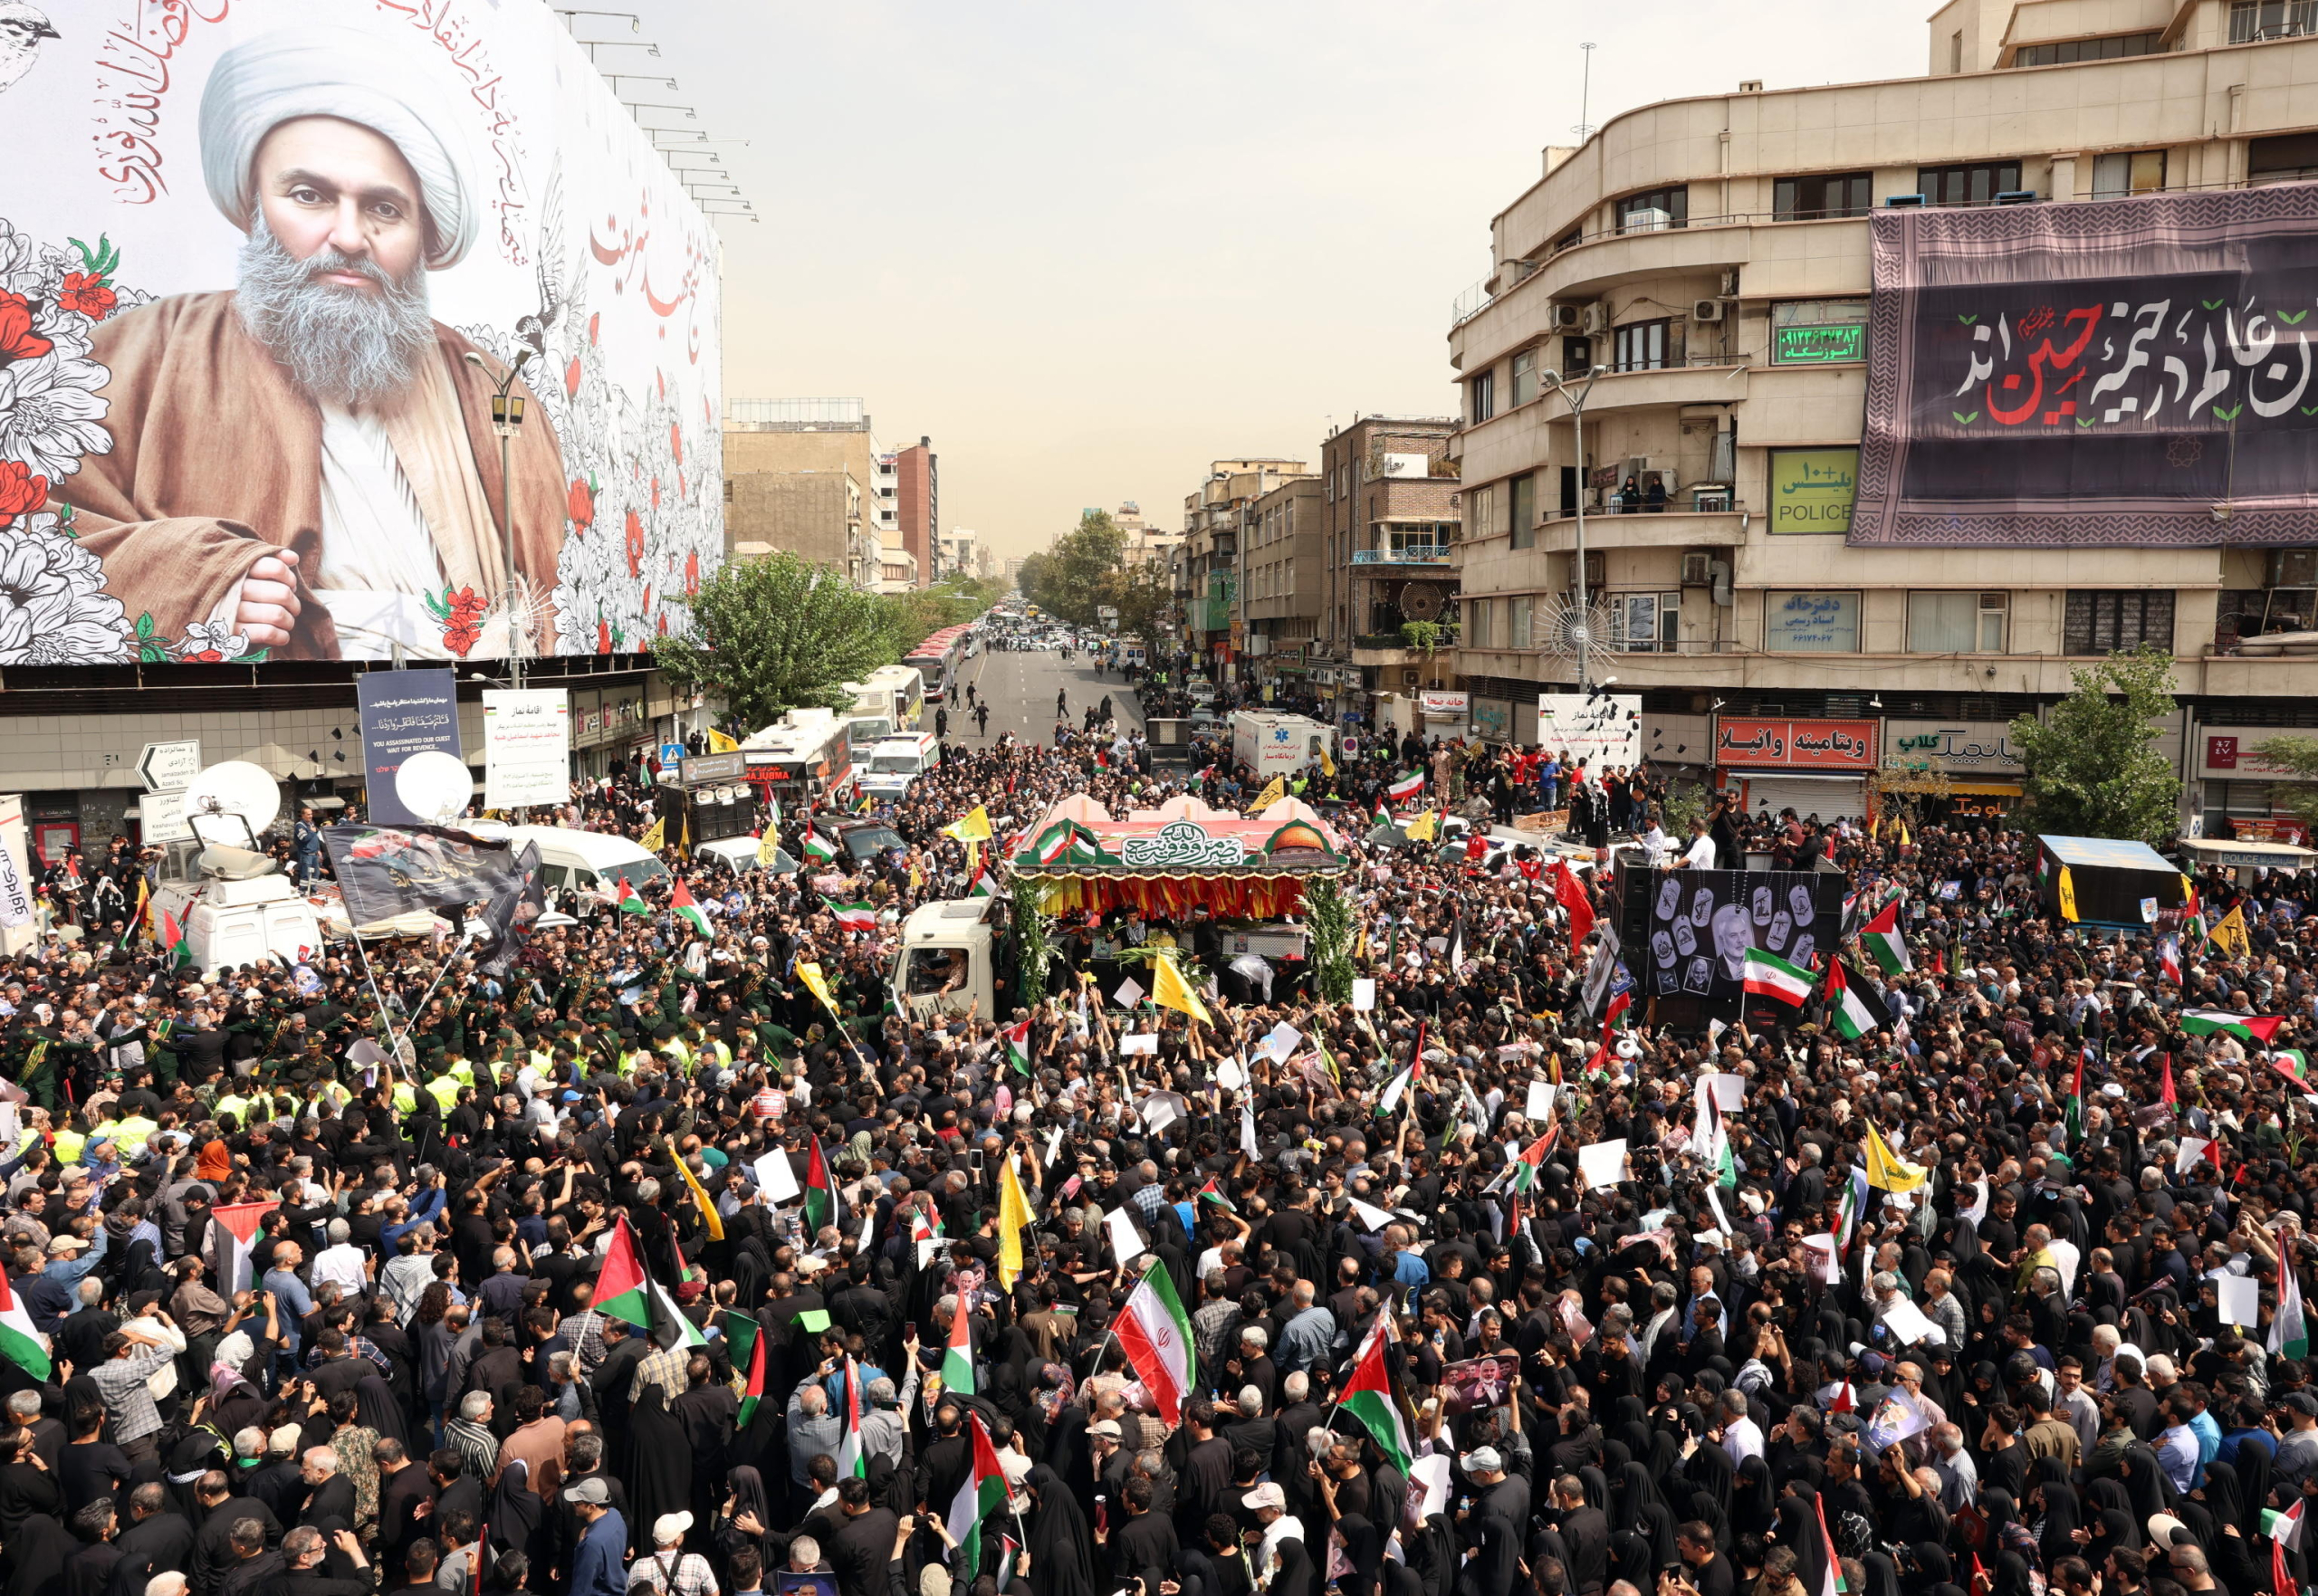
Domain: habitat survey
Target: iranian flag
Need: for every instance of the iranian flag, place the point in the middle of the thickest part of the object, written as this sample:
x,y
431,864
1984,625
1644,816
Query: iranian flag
x,y
233,1240
982,1495
1854,1008
1368,1396
1406,789
1884,943
1157,1335
2215,1022
819,848
821,1205
1852,1204
2289,1329
23,1345
629,903
854,916
1018,1045
958,1358
2169,959
748,1355
851,1457
687,909
1770,976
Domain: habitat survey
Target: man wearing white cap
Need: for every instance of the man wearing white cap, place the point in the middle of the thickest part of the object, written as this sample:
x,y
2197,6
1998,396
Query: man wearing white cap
x,y
1283,1533
301,462
670,1569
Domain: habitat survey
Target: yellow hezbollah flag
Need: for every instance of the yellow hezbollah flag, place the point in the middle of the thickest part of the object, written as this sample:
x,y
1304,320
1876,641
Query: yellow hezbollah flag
x,y
768,847
1886,1169
1328,765
974,828
2066,889
1014,1217
656,838
1169,990
1424,827
718,743
1270,795
699,1195
817,984
2228,934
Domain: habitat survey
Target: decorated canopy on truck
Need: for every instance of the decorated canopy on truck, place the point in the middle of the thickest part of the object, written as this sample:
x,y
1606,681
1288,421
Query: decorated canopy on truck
x,y
1182,855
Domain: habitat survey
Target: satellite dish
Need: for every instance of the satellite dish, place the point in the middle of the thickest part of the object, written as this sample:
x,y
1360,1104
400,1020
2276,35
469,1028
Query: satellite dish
x,y
224,861
231,803
433,786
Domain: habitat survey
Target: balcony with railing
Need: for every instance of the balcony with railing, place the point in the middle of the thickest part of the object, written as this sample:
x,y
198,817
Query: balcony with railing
x,y
1407,554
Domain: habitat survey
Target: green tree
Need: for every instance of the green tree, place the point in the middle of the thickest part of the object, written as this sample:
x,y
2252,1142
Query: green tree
x,y
778,634
1080,573
2298,756
2092,768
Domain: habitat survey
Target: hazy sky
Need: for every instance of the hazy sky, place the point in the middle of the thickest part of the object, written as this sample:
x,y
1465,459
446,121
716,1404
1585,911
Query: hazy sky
x,y
1088,247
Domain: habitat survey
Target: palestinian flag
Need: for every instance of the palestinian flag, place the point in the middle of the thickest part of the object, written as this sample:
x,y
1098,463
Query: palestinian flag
x,y
854,916
958,1358
1405,790
819,848
1018,1045
1884,941
983,884
981,1497
821,1204
1831,1582
1211,1192
2213,1022
851,1457
2076,1112
173,942
1397,1088
1856,1009
1157,1335
20,1343
2289,1329
685,908
1770,976
747,1339
1532,1160
233,1240
1850,1205
2285,1530
629,902
626,1290
1368,1395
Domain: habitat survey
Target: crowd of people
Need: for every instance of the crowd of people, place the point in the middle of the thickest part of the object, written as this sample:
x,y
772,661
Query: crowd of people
x,y
291,1314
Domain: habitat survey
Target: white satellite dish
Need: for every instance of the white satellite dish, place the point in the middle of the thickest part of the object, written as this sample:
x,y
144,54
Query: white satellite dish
x,y
433,786
232,803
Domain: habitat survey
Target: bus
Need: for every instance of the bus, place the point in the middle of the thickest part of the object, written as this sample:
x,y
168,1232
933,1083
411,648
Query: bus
x,y
890,702
807,753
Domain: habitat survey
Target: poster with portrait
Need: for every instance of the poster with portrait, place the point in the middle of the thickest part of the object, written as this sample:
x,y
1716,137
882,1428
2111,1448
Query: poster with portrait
x,y
1685,932
272,271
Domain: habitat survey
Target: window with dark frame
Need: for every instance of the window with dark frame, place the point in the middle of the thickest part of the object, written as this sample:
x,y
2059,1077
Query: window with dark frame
x,y
1675,202
1820,197
1484,391
2102,622
1978,183
1521,502
2115,47
1639,346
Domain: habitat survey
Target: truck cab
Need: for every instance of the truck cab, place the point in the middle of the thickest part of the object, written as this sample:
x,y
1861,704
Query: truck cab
x,y
945,963
894,763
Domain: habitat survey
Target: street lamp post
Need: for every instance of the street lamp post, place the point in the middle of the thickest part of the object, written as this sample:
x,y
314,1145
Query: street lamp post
x,y
1581,627
506,420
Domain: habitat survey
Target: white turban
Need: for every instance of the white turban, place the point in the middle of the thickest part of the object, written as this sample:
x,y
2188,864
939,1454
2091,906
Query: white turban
x,y
369,79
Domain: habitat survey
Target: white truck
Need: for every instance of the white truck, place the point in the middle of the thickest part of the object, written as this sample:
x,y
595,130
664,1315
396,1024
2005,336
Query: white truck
x,y
945,963
1279,745
234,907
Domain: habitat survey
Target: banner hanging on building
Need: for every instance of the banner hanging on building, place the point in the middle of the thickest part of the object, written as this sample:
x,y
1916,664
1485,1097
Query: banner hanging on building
x,y
404,713
526,747
232,430
2132,373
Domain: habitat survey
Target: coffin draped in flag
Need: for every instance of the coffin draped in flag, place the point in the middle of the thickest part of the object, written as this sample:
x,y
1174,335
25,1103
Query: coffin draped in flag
x,y
385,872
233,1242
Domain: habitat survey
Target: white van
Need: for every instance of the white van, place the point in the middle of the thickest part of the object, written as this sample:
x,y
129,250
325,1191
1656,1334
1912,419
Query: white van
x,y
896,761
582,870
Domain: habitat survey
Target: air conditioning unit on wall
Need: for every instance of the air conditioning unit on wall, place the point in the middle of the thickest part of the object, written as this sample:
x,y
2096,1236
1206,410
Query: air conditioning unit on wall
x,y
1706,310
1567,318
1597,318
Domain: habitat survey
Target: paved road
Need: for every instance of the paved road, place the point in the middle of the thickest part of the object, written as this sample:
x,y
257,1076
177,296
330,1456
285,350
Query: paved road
x,y
1021,689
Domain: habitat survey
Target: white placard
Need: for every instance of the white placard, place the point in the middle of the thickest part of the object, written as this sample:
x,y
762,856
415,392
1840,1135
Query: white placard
x,y
1909,1325
2240,1298
1159,1111
1229,1073
1433,1473
1128,995
1729,1092
1541,1105
526,747
1135,1043
1279,1042
16,902
775,1179
1363,993
1604,730
1603,1163
1370,1215
1125,1244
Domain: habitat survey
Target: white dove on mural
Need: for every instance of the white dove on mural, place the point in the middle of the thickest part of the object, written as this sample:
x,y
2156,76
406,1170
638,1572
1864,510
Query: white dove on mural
x,y
22,28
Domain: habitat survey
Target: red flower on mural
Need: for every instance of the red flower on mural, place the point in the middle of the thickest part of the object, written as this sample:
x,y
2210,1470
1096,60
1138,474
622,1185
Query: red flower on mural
x,y
676,442
579,504
594,326
691,573
464,629
635,545
664,626
655,493
603,636
87,293
21,492
18,341
571,379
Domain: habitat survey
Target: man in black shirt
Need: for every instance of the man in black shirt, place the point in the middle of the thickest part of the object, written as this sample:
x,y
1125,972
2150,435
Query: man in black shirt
x,y
1146,1542
1709,1572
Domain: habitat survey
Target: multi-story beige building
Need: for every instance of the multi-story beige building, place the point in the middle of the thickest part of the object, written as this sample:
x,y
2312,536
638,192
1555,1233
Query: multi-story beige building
x,y
1142,543
1206,566
1281,563
1712,256
1390,497
807,475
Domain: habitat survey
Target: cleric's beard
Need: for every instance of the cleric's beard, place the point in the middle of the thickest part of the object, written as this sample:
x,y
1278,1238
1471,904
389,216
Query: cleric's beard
x,y
343,345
